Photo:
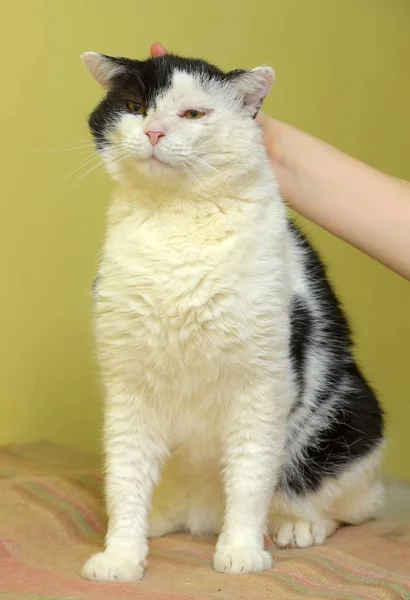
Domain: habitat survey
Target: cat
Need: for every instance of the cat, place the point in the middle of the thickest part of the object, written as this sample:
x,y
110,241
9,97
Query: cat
x,y
230,385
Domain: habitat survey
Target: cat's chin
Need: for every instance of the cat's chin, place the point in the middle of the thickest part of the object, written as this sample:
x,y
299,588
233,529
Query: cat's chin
x,y
149,169
156,169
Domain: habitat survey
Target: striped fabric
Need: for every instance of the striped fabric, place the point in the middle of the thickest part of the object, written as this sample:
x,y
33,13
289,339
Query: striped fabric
x,y
51,520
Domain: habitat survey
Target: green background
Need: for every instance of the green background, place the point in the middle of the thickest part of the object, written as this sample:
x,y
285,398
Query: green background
x,y
342,74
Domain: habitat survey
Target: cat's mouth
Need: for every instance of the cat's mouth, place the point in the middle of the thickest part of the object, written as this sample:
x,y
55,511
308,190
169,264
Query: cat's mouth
x,y
154,159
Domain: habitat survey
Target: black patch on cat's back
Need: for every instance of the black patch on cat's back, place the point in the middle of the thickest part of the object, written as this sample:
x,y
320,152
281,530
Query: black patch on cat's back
x,y
301,323
344,414
356,428
334,323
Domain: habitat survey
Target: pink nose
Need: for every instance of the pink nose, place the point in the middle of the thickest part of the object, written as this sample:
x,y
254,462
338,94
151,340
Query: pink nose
x,y
154,135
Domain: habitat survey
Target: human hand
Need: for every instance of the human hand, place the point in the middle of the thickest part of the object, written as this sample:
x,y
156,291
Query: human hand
x,y
157,49
271,129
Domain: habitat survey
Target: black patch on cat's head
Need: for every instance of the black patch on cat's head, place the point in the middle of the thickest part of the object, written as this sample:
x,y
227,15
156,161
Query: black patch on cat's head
x,y
143,82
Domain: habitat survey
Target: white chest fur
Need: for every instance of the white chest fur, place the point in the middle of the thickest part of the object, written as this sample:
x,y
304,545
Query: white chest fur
x,y
189,295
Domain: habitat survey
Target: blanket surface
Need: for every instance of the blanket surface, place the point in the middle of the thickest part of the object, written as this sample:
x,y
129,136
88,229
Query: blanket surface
x,y
52,519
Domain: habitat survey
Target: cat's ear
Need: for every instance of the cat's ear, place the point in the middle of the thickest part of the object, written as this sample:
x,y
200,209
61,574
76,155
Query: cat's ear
x,y
103,68
254,85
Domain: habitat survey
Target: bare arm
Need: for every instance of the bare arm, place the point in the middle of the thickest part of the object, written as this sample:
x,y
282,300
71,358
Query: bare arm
x,y
366,208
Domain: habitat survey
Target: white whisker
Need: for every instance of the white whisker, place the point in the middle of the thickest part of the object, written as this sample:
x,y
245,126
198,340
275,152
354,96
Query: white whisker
x,y
77,154
80,166
116,155
77,146
204,162
189,171
83,176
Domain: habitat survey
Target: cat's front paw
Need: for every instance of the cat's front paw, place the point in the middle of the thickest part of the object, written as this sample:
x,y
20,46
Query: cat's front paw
x,y
228,559
112,566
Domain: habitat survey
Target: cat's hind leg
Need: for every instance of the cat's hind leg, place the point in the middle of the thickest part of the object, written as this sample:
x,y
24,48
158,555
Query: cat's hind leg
x,y
166,521
188,498
308,519
291,532
206,508
169,512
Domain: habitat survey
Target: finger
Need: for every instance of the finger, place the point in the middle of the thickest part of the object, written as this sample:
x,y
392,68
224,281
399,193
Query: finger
x,y
157,49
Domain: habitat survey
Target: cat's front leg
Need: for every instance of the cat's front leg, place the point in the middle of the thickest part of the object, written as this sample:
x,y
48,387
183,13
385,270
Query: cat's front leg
x,y
252,460
133,456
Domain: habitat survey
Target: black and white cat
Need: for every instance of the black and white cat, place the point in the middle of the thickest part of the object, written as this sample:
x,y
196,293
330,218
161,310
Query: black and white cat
x,y
226,359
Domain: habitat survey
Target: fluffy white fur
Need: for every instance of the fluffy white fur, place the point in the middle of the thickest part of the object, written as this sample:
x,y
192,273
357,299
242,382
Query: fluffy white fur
x,y
192,329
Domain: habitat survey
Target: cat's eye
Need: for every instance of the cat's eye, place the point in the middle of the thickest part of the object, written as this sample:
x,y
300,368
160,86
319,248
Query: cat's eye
x,y
193,114
137,109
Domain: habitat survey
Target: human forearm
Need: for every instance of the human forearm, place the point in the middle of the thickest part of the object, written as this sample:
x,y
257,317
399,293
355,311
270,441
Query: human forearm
x,y
366,208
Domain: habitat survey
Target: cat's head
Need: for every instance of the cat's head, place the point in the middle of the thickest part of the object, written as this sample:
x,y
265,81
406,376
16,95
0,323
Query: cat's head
x,y
171,118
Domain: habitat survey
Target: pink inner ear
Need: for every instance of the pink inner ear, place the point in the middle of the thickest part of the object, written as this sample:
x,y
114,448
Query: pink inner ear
x,y
267,78
101,67
262,79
